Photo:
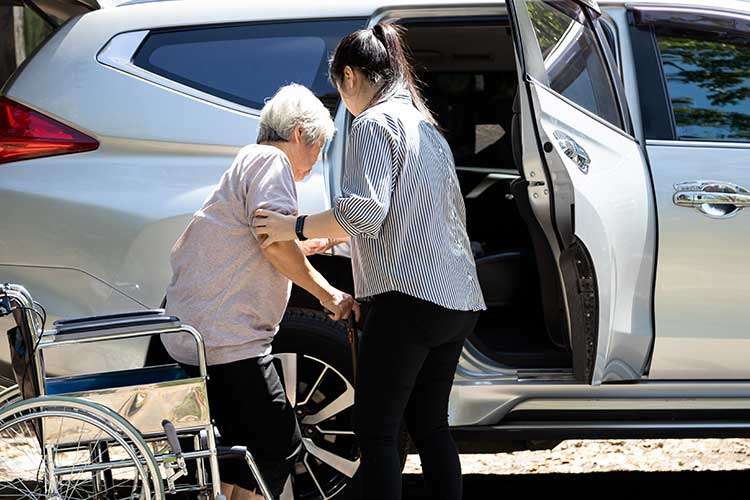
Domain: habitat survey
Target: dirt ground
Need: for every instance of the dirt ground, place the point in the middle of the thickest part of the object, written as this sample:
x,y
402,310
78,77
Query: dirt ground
x,y
623,469
604,456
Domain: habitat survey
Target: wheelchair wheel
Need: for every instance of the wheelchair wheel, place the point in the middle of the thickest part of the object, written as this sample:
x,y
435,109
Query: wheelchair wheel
x,y
67,449
9,395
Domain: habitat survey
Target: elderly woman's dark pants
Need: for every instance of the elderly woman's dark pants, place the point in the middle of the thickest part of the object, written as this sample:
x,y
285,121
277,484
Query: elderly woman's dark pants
x,y
407,360
250,408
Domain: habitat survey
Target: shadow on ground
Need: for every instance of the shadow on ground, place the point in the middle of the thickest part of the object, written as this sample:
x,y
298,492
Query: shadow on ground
x,y
600,486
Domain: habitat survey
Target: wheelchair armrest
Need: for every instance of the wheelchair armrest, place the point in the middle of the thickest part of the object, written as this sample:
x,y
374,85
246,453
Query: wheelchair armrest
x,y
109,317
127,326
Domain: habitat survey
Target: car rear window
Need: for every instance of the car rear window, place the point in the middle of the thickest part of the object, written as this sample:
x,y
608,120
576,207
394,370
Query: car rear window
x,y
573,59
246,64
708,79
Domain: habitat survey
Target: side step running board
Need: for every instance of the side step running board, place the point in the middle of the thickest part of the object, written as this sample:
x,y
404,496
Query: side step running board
x,y
614,430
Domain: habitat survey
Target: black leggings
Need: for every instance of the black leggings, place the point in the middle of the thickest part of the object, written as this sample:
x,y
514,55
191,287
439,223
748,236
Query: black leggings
x,y
407,360
250,408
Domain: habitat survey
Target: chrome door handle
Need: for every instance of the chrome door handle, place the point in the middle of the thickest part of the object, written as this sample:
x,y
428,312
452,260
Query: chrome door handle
x,y
715,199
573,150
693,200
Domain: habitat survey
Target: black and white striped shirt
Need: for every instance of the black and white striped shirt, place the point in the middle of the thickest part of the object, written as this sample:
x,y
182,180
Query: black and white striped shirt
x,y
403,207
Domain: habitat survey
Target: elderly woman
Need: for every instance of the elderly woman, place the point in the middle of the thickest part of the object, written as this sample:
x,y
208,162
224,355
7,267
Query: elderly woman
x,y
235,292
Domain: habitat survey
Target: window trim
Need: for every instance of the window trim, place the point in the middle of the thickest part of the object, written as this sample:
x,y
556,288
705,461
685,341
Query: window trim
x,y
650,15
657,115
615,73
609,27
698,143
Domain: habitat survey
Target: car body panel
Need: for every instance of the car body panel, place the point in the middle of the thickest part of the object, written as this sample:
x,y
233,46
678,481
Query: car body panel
x,y
703,281
701,287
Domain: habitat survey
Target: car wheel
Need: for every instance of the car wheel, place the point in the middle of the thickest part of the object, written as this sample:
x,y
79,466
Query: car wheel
x,y
314,362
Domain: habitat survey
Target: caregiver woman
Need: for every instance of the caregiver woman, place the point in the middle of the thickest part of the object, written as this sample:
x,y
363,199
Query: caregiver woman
x,y
411,257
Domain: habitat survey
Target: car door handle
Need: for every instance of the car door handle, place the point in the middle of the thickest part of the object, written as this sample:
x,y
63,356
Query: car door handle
x,y
692,200
715,199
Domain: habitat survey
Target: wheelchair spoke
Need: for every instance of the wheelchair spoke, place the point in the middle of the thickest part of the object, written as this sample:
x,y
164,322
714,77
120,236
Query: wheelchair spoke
x,y
47,454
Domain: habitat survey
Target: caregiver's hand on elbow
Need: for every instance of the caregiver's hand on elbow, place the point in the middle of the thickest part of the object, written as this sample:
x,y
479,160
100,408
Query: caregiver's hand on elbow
x,y
272,227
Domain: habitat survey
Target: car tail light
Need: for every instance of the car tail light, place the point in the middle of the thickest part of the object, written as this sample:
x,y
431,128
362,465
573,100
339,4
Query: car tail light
x,y
25,134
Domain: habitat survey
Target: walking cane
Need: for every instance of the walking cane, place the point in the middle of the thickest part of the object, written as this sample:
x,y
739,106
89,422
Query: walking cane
x,y
351,333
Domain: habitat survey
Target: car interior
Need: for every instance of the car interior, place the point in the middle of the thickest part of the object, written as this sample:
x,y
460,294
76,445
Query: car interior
x,y
468,75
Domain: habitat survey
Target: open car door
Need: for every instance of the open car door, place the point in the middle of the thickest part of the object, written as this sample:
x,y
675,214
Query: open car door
x,y
588,184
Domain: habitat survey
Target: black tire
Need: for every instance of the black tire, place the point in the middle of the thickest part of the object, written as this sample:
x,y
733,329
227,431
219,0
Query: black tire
x,y
312,333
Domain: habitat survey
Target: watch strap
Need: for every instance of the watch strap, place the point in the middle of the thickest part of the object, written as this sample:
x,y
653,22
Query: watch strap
x,y
299,227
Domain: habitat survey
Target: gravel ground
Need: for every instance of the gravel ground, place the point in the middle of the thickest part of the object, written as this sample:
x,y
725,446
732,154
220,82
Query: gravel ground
x,y
576,456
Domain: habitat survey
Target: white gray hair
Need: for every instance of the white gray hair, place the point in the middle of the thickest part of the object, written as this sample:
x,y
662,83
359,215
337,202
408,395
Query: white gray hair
x,y
294,106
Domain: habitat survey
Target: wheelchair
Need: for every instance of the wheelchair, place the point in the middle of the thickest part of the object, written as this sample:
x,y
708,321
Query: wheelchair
x,y
105,436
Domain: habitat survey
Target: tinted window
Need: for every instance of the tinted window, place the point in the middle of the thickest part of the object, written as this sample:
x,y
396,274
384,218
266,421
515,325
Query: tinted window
x,y
572,58
246,64
708,78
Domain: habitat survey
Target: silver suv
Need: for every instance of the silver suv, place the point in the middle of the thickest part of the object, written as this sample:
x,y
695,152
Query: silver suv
x,y
603,151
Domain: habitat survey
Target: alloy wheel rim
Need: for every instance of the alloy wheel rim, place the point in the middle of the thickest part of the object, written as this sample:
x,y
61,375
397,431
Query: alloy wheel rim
x,y
322,399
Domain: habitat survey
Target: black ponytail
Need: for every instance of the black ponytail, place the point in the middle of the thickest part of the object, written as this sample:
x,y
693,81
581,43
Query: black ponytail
x,y
379,54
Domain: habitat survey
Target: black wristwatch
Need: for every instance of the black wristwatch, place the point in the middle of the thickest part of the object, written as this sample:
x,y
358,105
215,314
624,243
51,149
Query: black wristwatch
x,y
299,228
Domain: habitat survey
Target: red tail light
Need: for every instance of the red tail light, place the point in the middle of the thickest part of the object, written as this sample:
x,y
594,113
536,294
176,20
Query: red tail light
x,y
25,134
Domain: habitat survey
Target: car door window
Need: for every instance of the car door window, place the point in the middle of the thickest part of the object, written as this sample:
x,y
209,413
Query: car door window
x,y
573,59
708,80
246,64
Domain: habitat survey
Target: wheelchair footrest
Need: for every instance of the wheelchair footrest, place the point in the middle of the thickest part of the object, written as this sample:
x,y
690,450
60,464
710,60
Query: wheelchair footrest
x,y
238,452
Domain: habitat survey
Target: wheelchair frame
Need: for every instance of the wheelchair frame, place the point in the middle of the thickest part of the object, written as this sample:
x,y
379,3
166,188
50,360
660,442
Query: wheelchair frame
x,y
144,413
